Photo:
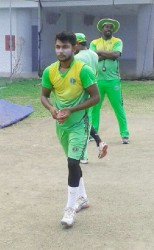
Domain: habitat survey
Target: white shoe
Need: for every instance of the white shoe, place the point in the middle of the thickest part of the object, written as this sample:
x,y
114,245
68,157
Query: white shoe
x,y
69,217
102,150
81,203
84,161
125,140
91,138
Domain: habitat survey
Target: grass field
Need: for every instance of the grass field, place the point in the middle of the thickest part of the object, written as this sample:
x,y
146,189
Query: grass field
x,y
138,96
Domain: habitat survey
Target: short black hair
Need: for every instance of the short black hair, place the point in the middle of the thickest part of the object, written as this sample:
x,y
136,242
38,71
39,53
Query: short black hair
x,y
66,37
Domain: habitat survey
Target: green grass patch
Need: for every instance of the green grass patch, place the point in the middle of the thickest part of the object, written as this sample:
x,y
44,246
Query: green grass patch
x,y
138,96
24,92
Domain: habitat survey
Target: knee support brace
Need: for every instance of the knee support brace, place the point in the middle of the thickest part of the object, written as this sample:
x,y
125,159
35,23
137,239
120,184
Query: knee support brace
x,y
75,172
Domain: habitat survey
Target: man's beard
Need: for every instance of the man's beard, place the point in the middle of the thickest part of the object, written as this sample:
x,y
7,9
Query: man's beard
x,y
65,58
108,34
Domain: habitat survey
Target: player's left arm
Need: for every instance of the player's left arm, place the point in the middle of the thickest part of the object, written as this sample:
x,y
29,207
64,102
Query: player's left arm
x,y
112,55
91,101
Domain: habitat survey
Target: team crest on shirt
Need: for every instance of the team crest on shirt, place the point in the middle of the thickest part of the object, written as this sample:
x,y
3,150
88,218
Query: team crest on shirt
x,y
116,87
72,80
75,149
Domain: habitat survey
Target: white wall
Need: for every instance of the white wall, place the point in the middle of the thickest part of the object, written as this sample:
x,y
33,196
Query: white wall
x,y
90,31
5,30
24,33
48,39
17,3
128,33
21,28
145,41
34,16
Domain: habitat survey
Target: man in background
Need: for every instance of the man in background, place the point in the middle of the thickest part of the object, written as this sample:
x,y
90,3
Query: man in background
x,y
90,58
109,49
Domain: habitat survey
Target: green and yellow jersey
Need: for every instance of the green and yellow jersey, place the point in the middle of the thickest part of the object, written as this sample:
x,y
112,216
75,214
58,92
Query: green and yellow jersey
x,y
69,88
107,69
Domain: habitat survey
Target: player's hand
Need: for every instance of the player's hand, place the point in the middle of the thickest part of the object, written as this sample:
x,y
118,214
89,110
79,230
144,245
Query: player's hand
x,y
62,115
54,112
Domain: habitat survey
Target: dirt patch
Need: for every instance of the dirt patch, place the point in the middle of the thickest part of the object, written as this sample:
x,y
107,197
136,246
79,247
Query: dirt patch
x,y
120,187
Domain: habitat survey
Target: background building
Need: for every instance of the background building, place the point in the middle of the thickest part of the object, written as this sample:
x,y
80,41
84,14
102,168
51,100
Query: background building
x,y
33,25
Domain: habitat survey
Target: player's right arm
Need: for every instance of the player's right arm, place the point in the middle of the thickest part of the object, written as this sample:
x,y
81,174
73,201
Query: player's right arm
x,y
45,94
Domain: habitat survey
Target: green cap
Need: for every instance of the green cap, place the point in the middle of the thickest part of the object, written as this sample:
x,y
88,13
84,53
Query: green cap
x,y
80,37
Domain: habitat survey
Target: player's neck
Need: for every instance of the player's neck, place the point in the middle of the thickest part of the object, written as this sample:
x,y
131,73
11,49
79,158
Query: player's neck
x,y
65,65
106,37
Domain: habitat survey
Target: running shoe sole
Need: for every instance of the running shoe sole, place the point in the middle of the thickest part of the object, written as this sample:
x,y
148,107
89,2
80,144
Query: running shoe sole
x,y
103,153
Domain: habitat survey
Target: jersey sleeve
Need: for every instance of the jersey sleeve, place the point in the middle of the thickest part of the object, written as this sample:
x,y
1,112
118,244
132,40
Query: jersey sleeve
x,y
87,76
92,46
46,83
118,46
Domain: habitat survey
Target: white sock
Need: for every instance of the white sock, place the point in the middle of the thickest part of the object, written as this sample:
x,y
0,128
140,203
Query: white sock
x,y
73,193
82,191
